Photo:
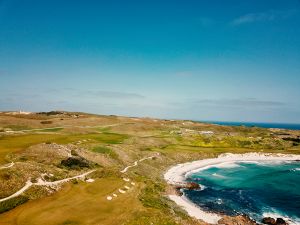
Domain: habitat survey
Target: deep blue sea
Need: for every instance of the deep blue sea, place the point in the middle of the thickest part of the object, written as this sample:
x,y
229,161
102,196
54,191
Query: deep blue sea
x,y
289,126
258,189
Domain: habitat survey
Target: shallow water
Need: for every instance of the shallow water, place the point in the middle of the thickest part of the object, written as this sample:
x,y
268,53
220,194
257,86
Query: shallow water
x,y
257,189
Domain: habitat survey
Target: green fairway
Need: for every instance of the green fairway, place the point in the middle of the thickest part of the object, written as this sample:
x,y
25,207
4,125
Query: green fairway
x,y
82,203
16,143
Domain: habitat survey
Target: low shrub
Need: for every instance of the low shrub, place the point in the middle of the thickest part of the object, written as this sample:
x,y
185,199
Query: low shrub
x,y
12,203
46,122
75,162
151,196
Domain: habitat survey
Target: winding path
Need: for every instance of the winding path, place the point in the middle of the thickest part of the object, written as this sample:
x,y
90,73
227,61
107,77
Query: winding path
x,y
121,190
43,183
136,162
7,166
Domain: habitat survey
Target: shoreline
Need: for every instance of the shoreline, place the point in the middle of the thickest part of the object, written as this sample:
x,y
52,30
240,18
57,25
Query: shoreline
x,y
177,175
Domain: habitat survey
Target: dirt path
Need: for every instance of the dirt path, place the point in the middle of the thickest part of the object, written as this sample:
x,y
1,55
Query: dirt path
x,y
7,166
42,182
136,162
130,184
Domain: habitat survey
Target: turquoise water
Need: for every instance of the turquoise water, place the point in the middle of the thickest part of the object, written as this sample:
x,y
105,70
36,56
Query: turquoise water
x,y
252,188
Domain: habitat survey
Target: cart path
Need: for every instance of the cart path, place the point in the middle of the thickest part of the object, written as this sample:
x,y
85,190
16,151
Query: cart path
x,y
42,182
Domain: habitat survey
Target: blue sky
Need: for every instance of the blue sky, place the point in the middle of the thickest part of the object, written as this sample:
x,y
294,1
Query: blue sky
x,y
192,59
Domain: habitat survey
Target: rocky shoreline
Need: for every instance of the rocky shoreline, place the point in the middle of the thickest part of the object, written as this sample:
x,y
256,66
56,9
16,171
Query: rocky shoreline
x,y
177,178
227,220
272,221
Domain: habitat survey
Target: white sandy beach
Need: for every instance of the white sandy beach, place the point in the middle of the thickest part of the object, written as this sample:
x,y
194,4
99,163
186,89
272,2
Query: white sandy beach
x,y
177,175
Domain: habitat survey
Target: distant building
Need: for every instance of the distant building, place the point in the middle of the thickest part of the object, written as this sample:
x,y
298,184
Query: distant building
x,y
18,113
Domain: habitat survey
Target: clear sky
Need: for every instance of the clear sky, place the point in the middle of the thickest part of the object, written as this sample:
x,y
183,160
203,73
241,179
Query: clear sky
x,y
233,60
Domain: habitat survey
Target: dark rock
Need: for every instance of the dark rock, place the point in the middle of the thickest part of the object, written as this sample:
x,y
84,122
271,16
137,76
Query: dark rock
x,y
272,221
75,162
280,221
269,220
237,220
192,185
188,185
178,192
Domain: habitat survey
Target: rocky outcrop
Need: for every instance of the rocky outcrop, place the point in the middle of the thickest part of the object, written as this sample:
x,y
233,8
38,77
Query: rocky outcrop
x,y
176,189
268,220
237,220
192,186
272,221
280,221
187,185
178,192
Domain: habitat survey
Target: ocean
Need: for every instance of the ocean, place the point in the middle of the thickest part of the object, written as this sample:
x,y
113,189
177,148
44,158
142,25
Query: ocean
x,y
258,189
288,126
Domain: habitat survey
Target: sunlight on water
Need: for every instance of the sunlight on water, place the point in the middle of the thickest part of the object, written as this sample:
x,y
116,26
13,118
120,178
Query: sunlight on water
x,y
255,188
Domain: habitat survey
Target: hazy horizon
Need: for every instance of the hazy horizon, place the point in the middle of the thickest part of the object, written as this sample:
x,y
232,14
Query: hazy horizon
x,y
197,60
